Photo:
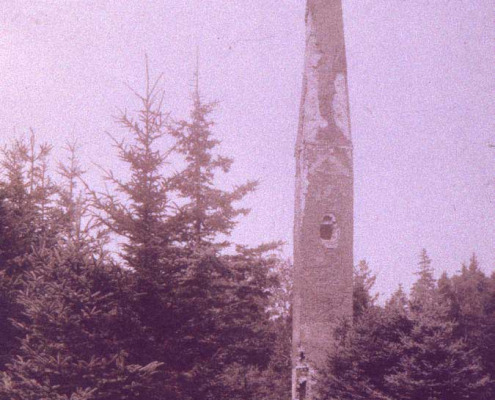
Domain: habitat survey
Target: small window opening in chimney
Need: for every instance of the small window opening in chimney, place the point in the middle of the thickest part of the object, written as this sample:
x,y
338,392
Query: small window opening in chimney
x,y
328,227
302,357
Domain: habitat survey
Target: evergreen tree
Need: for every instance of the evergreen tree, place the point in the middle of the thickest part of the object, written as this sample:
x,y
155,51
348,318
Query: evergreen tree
x,y
274,382
27,198
365,354
255,348
363,283
8,305
435,364
207,211
406,350
487,344
223,326
26,195
227,317
137,211
73,204
446,294
398,302
280,306
469,295
423,290
367,350
200,311
72,343
70,347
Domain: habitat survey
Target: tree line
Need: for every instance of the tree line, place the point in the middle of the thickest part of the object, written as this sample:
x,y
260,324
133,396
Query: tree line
x,y
437,343
171,315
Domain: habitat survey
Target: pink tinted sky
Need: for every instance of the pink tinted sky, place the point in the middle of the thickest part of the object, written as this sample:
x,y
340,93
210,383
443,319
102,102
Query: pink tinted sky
x,y
421,77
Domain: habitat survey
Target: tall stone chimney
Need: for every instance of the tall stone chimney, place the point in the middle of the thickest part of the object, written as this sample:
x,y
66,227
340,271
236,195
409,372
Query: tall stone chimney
x,y
323,226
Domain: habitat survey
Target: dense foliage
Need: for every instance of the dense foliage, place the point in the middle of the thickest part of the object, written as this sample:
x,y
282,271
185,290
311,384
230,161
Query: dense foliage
x,y
434,344
171,314
138,292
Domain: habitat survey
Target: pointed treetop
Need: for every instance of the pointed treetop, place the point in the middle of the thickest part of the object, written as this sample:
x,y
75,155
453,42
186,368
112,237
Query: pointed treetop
x,y
424,288
398,300
474,265
425,270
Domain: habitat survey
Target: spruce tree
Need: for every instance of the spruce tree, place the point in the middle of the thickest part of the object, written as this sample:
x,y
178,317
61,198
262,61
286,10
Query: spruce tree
x,y
227,296
423,290
136,208
70,345
26,206
398,302
470,292
73,316
470,298
258,380
487,345
274,381
207,211
72,218
281,294
27,202
363,283
367,350
413,348
435,364
365,353
201,311
8,283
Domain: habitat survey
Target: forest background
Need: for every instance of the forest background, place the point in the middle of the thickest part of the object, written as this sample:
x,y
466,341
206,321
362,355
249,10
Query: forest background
x,y
173,315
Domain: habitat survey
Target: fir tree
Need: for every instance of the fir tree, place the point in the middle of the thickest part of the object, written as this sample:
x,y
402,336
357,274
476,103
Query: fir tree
x,y
201,311
435,364
70,347
226,296
363,282
137,211
367,350
469,296
26,197
423,290
207,211
365,354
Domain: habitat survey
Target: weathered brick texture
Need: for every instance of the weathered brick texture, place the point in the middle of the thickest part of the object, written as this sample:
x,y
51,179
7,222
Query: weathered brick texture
x,y
323,226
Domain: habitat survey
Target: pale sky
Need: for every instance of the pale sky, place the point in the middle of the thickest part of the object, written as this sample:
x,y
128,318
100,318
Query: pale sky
x,y
422,84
